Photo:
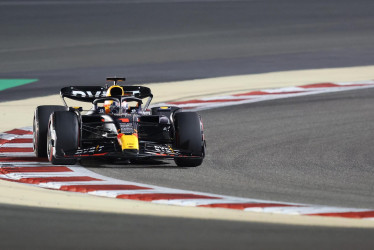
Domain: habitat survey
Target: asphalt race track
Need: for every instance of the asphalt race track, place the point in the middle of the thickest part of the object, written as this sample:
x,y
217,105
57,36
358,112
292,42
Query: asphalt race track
x,y
313,149
81,42
60,229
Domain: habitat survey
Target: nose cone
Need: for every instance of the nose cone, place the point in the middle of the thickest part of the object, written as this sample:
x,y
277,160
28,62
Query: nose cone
x,y
128,142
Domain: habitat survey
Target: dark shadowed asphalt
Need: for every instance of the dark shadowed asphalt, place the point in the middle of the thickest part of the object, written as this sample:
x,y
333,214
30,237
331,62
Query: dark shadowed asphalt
x,y
38,228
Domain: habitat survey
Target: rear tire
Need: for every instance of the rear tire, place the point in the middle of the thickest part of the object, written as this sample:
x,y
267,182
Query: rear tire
x,y
189,138
63,135
40,127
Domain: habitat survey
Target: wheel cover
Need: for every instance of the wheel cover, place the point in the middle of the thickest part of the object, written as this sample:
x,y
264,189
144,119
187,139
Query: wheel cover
x,y
51,137
35,129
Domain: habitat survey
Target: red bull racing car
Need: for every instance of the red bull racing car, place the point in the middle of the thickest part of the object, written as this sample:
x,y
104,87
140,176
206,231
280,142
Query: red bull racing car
x,y
119,125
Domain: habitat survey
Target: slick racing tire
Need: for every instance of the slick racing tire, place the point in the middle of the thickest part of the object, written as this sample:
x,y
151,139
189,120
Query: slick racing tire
x,y
189,139
63,135
40,128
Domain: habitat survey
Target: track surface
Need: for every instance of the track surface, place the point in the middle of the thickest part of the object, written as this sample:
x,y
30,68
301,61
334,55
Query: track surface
x,y
81,42
313,149
83,230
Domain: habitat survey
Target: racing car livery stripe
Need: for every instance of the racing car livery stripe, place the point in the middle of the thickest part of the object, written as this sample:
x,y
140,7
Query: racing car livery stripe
x,y
267,94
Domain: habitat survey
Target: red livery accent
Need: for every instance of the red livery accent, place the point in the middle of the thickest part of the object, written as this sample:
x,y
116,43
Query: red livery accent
x,y
124,119
243,206
46,169
162,154
91,188
152,197
99,154
39,180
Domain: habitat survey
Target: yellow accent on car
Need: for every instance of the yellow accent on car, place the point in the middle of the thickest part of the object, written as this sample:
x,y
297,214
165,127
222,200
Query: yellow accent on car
x,y
164,107
115,90
129,142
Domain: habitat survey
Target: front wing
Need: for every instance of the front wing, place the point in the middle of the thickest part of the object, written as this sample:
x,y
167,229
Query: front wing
x,y
146,150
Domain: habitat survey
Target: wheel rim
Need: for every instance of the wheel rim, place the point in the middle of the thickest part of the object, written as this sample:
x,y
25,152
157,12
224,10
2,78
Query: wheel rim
x,y
35,137
49,143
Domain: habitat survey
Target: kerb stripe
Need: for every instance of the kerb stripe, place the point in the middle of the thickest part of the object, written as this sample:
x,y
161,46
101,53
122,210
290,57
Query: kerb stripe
x,y
152,197
46,169
243,206
16,150
92,188
19,132
58,179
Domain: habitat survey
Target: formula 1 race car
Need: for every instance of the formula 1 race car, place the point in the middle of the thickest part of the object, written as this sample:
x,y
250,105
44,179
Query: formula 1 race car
x,y
118,126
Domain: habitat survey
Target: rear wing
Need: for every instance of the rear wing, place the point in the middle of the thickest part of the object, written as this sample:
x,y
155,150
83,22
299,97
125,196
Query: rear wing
x,y
90,93
83,93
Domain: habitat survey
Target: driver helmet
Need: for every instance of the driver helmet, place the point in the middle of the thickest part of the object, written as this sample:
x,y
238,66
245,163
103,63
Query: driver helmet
x,y
112,107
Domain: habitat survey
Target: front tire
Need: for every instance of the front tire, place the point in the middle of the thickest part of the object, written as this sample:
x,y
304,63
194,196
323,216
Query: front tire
x,y
40,128
63,135
189,138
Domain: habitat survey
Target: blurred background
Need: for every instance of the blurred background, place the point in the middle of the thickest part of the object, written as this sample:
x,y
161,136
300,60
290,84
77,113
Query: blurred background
x,y
81,42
